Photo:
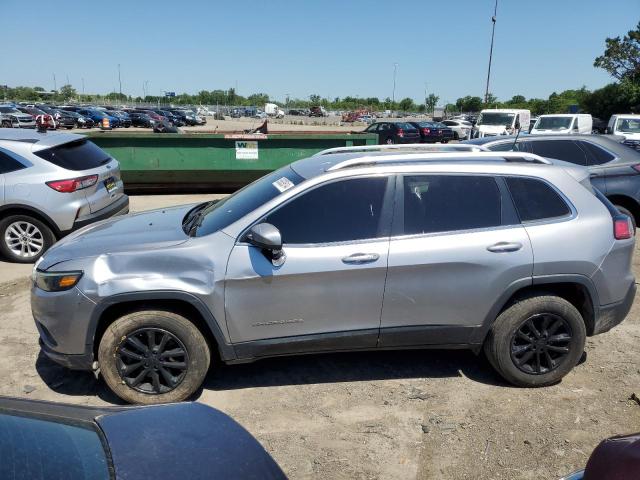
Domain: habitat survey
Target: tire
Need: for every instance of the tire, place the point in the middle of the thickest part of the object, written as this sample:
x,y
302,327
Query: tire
x,y
184,335
503,340
6,124
445,141
625,211
456,136
389,141
12,230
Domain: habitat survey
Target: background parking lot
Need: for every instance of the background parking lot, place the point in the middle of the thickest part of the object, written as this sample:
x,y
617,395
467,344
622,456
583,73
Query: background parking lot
x,y
407,414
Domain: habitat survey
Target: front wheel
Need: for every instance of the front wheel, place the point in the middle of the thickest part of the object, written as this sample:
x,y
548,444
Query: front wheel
x,y
153,356
389,141
536,341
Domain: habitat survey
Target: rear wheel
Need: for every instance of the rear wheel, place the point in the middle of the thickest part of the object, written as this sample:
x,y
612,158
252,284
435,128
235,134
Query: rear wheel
x,y
6,123
24,238
536,341
389,141
153,356
456,136
624,211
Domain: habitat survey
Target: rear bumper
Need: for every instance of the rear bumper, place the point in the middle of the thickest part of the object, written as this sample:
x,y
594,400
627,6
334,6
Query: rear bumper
x,y
117,208
614,313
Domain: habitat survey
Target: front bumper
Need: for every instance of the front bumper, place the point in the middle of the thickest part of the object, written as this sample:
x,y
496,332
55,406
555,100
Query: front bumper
x,y
614,313
72,362
120,207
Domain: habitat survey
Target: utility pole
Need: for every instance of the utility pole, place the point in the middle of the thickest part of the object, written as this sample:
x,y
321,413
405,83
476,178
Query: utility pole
x,y
55,85
493,31
120,82
393,95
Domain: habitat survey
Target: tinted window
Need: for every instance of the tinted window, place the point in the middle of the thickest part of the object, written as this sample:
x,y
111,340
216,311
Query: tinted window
x,y
442,203
9,164
566,150
405,126
598,155
78,155
336,212
535,200
40,450
247,199
507,147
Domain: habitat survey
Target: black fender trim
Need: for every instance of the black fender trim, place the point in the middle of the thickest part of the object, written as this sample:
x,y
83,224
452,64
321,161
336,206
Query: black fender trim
x,y
226,351
17,206
480,334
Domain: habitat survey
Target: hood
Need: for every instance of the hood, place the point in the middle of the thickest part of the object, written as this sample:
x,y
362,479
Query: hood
x,y
548,131
492,129
630,136
141,231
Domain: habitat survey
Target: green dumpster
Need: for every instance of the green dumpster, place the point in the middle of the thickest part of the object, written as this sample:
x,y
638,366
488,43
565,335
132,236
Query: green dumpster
x,y
191,162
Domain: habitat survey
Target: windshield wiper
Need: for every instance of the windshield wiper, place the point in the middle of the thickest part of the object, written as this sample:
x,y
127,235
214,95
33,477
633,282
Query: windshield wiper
x,y
195,217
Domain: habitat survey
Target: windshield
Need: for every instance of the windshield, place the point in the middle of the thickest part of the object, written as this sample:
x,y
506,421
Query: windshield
x,y
40,449
496,118
9,110
628,125
553,123
246,200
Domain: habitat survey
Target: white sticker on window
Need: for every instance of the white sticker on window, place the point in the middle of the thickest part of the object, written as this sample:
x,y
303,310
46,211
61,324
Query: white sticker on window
x,y
283,184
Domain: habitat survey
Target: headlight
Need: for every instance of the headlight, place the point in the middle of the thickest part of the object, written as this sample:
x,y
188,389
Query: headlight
x,y
56,281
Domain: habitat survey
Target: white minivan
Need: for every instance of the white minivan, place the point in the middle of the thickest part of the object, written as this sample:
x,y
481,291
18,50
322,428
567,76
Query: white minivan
x,y
563,123
626,125
505,121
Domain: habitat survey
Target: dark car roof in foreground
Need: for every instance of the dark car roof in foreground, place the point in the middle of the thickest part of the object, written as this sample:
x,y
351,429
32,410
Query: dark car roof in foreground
x,y
611,142
172,441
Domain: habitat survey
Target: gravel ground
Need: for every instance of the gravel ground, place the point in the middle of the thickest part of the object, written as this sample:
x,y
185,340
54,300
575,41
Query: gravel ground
x,y
392,415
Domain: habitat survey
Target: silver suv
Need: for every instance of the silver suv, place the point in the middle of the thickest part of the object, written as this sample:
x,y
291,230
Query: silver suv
x,y
51,184
345,251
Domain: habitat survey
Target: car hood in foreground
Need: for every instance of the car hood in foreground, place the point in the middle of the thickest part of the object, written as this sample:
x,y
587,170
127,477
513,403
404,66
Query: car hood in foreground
x,y
129,233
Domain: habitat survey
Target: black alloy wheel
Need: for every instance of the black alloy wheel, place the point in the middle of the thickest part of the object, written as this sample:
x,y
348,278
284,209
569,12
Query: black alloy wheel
x,y
541,344
152,360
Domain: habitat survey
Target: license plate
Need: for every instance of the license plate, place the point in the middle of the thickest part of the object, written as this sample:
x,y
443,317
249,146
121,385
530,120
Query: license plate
x,y
110,184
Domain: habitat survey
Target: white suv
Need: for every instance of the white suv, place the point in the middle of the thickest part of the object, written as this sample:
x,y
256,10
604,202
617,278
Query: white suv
x,y
51,184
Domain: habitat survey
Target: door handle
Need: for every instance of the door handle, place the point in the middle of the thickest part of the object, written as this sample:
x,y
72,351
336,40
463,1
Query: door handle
x,y
503,247
360,258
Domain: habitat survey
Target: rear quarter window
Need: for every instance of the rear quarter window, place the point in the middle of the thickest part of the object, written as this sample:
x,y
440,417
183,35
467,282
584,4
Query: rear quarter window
x,y
535,200
78,155
599,155
9,164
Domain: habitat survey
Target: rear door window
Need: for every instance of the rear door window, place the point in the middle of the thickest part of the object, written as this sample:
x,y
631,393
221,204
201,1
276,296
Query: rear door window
x,y
8,163
599,155
77,155
535,200
445,203
566,150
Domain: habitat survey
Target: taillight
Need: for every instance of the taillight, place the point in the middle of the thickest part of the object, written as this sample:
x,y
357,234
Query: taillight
x,y
73,184
622,227
400,132
636,167
426,131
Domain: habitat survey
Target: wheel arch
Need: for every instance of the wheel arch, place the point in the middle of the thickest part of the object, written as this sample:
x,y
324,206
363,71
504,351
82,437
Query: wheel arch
x,y
578,290
17,209
627,202
181,303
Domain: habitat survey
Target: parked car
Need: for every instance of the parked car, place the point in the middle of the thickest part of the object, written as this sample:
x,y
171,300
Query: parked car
x,y
45,440
170,117
11,117
36,112
394,132
615,458
628,127
614,168
565,123
80,121
157,118
62,118
345,251
461,128
185,116
124,120
317,111
432,132
139,119
65,182
98,115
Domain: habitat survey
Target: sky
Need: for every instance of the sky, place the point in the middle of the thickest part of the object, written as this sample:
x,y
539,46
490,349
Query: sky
x,y
331,48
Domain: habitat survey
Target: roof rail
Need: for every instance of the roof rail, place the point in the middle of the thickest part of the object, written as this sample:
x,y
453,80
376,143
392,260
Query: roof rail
x,y
401,157
407,147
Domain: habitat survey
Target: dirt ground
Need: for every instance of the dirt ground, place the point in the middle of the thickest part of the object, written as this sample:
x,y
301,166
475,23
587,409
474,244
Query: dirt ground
x,y
392,415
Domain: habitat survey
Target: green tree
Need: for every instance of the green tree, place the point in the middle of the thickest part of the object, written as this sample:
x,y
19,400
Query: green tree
x,y
406,104
67,92
431,101
469,104
315,99
491,99
621,57
258,99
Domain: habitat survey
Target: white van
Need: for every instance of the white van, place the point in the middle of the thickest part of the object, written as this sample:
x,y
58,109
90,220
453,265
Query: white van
x,y
626,125
501,121
566,123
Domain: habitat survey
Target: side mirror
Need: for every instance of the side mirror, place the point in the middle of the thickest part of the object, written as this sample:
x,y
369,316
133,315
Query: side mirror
x,y
517,125
267,237
609,130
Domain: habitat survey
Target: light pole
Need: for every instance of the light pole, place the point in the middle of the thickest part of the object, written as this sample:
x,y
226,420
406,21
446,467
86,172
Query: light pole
x,y
55,85
393,95
493,31
119,82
